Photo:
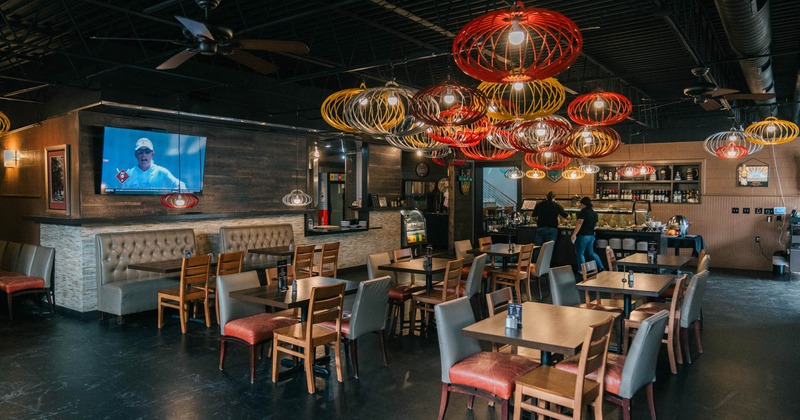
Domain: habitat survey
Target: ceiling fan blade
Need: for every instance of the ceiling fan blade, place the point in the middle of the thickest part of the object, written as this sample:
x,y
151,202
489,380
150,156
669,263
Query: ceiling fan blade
x,y
710,105
716,93
195,27
751,96
109,38
255,63
293,47
176,60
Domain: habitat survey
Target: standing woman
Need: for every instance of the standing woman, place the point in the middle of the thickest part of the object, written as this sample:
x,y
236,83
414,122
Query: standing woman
x,y
583,235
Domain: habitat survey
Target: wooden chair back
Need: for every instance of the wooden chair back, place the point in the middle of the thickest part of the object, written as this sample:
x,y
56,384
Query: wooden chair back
x,y
524,259
403,254
272,275
452,279
325,306
703,262
194,274
486,240
303,261
611,258
461,248
589,270
498,301
681,285
329,261
229,263
593,358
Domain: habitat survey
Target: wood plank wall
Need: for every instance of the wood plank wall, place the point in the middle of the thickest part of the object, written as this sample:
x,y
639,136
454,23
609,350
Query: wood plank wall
x,y
384,171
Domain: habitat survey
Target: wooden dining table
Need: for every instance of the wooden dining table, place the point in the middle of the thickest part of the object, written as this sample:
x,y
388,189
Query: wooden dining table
x,y
644,284
549,328
504,251
639,261
165,266
277,251
416,266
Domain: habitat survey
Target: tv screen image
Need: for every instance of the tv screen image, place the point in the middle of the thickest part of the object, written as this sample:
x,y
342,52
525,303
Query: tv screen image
x,y
151,162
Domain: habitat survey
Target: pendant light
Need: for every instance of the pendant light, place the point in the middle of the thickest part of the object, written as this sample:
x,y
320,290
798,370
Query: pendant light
x,y
573,173
535,174
733,144
296,197
449,103
179,199
772,131
514,173
333,108
599,108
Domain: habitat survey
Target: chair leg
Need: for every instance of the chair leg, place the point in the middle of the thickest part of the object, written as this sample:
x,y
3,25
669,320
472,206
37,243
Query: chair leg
x,y
445,400
354,356
676,341
517,404
308,360
252,364
208,312
651,402
223,343
671,353
539,282
528,289
382,335
684,339
160,314
470,401
625,337
183,312
338,356
504,409
10,309
697,327
216,306
276,359
412,318
626,409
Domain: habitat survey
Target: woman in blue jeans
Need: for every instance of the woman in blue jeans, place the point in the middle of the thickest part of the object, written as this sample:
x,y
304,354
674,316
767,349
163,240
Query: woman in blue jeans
x,y
583,235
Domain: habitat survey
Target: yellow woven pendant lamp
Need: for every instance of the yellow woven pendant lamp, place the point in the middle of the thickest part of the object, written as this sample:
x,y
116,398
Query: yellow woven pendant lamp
x,y
772,131
523,100
333,108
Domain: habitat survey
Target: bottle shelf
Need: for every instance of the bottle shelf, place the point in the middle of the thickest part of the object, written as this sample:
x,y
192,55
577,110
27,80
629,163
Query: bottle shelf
x,y
664,190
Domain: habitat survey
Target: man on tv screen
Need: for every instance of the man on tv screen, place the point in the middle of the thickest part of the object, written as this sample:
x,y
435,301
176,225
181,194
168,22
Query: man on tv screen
x,y
146,174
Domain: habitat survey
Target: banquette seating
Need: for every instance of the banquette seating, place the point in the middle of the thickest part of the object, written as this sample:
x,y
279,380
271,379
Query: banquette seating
x,y
25,269
242,238
123,291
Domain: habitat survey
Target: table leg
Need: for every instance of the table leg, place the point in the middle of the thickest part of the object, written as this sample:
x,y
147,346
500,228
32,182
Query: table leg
x,y
428,280
627,305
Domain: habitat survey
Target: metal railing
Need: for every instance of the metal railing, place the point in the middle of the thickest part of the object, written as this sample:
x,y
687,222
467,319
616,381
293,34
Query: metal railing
x,y
492,194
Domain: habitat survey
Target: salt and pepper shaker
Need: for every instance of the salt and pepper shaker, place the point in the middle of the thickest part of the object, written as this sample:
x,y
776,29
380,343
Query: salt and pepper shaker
x,y
630,278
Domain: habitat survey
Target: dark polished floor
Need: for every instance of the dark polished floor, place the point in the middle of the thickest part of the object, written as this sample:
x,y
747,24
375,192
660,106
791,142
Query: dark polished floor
x,y
57,366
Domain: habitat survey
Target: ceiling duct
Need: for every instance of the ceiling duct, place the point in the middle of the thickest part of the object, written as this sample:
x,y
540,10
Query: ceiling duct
x,y
747,25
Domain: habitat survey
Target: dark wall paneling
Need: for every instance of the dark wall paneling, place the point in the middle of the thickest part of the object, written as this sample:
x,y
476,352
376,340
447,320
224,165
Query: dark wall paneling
x,y
410,161
384,170
245,170
463,217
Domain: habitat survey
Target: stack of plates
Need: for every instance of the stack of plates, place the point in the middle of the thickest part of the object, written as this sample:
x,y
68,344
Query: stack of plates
x,y
601,243
615,243
641,246
629,244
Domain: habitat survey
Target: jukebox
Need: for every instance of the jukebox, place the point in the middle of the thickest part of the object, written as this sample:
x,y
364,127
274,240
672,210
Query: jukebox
x,y
412,231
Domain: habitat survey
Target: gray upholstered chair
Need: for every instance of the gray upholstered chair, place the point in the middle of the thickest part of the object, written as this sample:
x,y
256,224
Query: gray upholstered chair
x,y
626,375
461,248
473,282
243,322
369,315
35,268
691,310
10,254
468,370
542,266
25,258
399,294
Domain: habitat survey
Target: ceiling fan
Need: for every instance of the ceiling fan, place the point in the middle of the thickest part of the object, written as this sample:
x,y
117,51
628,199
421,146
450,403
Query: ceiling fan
x,y
708,95
200,38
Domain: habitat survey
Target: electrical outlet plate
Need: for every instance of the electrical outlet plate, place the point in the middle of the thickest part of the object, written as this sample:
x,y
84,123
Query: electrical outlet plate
x,y
759,210
769,210
735,210
746,210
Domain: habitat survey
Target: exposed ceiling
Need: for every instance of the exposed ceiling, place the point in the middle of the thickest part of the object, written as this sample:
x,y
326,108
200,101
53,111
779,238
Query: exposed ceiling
x,y
644,49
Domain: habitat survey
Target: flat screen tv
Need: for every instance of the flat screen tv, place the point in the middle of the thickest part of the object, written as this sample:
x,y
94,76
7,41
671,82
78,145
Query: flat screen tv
x,y
151,162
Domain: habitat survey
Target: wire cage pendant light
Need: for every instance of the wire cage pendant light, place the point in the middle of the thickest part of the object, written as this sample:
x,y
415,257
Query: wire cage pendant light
x,y
599,108
535,174
485,150
546,160
5,123
419,142
592,142
450,156
383,111
549,134
449,103
573,173
500,134
588,167
461,135
772,131
514,173
733,144
333,108
517,45
526,100
296,197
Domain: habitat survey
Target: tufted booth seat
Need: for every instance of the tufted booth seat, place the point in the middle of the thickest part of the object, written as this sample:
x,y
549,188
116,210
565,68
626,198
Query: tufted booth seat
x,y
242,238
25,269
122,291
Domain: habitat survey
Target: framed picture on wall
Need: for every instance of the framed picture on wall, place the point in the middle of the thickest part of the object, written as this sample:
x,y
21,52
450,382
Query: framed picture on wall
x,y
753,173
57,178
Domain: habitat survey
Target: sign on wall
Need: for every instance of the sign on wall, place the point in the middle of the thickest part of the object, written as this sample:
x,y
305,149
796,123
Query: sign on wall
x,y
753,173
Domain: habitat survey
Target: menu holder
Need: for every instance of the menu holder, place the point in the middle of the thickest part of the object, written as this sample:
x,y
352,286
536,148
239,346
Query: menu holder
x,y
515,311
282,269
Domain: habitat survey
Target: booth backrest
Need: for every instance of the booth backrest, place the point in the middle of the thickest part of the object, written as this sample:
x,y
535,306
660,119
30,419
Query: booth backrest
x,y
242,238
10,255
25,258
43,262
2,248
115,251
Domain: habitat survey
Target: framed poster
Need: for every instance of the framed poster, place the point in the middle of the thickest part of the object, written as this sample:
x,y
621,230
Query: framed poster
x,y
57,178
752,174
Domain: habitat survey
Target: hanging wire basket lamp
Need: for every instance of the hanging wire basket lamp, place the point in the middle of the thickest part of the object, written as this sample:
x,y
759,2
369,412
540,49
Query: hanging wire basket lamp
x,y
599,108
419,142
628,171
535,174
524,100
460,135
546,160
517,45
592,142
383,111
645,169
772,131
588,167
449,103
297,198
541,135
500,134
450,156
573,173
485,150
179,200
333,108
5,123
733,144
514,173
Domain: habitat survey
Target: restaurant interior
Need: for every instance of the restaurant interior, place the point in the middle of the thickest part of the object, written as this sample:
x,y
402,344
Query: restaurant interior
x,y
564,208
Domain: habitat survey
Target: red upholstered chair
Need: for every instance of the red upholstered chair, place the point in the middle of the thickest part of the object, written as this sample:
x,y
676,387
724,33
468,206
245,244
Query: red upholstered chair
x,y
33,275
468,370
399,293
243,322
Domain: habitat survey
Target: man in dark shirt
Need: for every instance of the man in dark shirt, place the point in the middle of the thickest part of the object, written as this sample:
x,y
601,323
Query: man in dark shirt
x,y
547,212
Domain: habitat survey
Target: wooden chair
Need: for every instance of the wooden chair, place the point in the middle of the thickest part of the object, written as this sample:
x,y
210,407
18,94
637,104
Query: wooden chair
x,y
425,301
329,261
611,259
404,254
542,266
468,370
516,276
243,322
272,277
486,241
672,332
497,302
301,340
193,289
304,261
564,389
626,375
227,263
461,248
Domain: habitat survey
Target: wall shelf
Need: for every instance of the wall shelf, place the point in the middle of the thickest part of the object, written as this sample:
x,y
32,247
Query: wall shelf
x,y
661,187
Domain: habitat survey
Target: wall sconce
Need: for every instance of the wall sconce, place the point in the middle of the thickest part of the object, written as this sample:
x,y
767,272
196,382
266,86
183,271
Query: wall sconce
x,y
10,158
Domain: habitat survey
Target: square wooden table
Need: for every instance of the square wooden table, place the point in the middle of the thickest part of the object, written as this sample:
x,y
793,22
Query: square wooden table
x,y
644,284
296,296
498,250
165,267
415,266
638,261
549,328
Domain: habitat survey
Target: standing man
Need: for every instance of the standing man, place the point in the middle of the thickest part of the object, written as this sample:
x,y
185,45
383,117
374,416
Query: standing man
x,y
546,213
146,174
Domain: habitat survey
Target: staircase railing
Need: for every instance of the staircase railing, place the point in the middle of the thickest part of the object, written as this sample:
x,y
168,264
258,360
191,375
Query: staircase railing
x,y
492,194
